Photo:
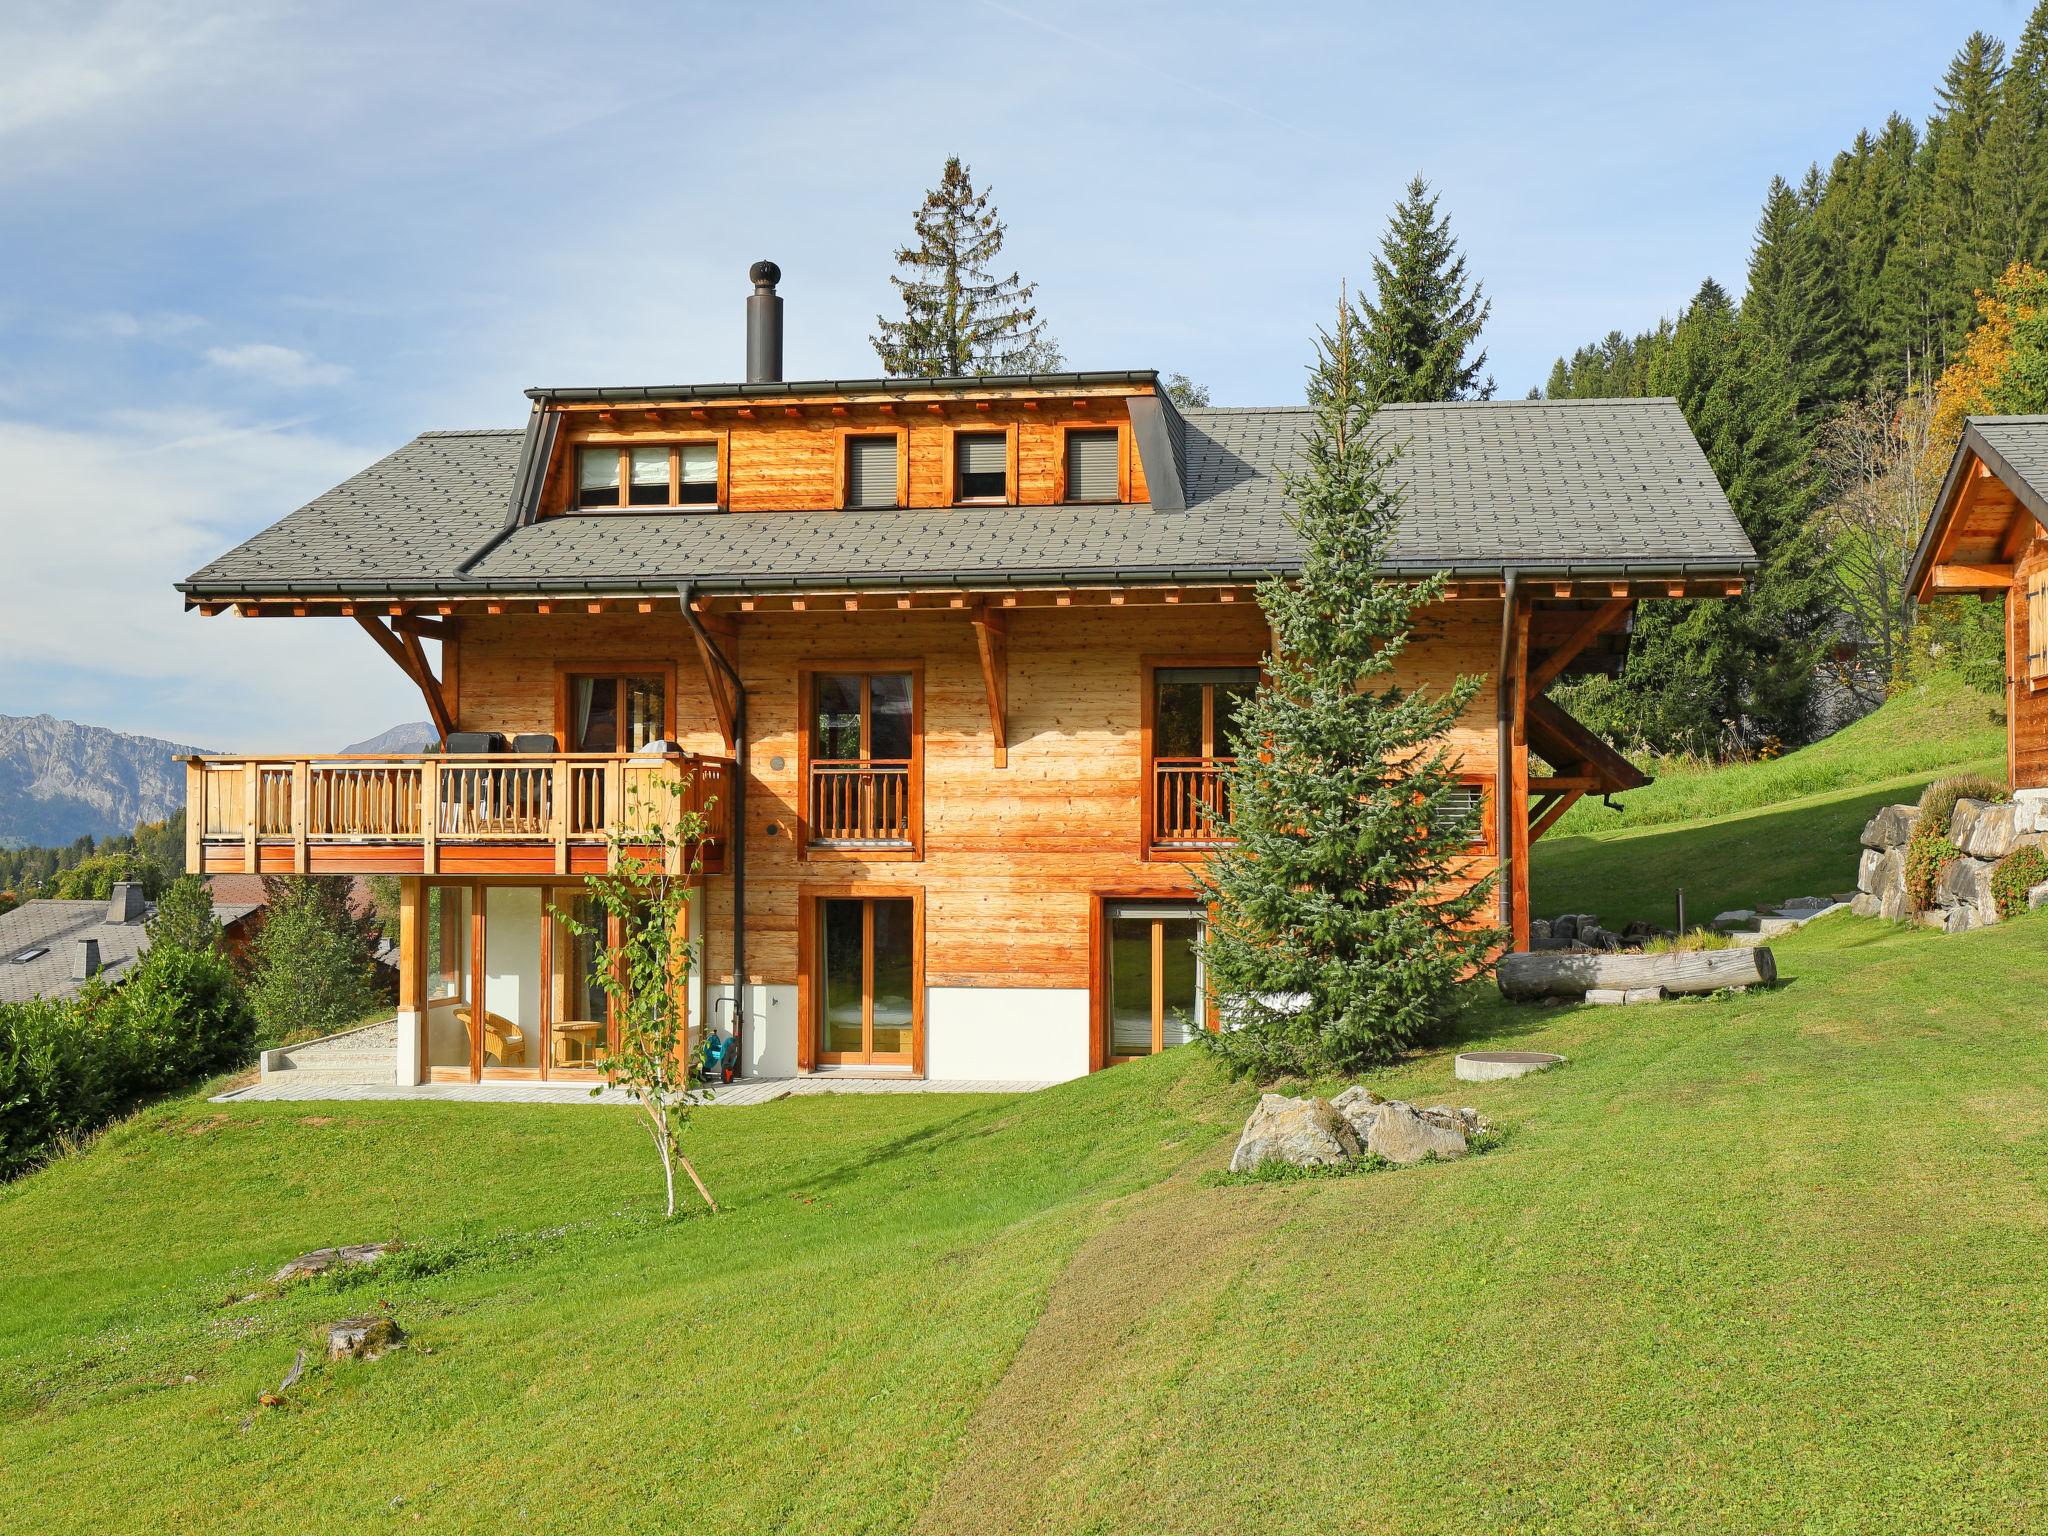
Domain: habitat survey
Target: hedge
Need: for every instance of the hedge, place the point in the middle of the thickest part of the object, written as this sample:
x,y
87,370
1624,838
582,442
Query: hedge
x,y
70,1065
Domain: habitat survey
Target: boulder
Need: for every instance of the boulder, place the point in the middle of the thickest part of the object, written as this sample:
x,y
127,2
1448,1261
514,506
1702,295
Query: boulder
x,y
1306,1132
1565,929
2037,896
321,1260
1539,928
1865,905
1870,871
1982,829
1964,882
359,1338
1891,827
1734,919
2029,812
1358,1104
1403,1134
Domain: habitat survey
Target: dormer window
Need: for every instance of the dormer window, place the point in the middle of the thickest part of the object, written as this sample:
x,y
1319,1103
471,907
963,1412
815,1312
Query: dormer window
x,y
647,475
871,471
1092,465
981,466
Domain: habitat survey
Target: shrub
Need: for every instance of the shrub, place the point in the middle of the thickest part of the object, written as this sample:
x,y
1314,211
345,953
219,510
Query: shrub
x,y
1938,800
2016,874
1928,853
69,1065
313,972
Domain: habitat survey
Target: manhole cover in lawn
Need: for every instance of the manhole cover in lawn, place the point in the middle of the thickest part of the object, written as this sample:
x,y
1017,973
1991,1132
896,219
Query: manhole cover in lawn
x,y
1485,1066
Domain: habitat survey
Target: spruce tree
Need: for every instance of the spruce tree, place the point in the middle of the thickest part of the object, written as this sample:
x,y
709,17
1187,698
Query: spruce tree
x,y
959,317
1796,303
1424,318
2014,167
1339,924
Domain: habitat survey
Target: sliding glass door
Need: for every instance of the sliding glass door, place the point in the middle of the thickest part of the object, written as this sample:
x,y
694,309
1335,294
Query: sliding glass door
x,y
866,980
1155,994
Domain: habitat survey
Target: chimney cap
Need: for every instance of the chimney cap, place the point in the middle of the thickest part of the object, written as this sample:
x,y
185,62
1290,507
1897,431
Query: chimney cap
x,y
764,274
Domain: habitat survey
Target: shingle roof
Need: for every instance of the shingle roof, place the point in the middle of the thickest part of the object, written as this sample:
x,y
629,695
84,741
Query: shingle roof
x,y
55,928
1596,486
2022,442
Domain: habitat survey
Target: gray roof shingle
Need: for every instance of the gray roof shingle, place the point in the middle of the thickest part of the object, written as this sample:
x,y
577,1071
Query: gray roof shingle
x,y
55,927
2022,442
1551,485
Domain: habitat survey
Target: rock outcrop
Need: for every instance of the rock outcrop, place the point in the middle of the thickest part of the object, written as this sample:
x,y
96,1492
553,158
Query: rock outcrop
x,y
1314,1133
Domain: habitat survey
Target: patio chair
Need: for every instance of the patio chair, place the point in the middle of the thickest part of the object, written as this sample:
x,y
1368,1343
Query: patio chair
x,y
510,1038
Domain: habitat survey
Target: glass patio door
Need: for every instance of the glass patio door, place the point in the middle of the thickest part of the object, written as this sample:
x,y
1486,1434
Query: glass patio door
x,y
1156,993
866,990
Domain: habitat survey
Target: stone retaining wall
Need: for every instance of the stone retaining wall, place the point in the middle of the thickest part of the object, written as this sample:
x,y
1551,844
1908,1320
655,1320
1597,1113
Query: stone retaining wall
x,y
1983,832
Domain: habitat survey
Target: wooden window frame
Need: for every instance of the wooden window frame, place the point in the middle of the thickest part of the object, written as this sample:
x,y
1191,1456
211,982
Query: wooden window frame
x,y
573,479
1123,463
1149,667
806,675
2035,598
951,465
564,670
809,985
1099,903
843,467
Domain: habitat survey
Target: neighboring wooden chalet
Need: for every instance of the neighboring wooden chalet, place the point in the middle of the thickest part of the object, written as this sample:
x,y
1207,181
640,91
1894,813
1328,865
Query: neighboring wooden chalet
x,y
1989,535
951,664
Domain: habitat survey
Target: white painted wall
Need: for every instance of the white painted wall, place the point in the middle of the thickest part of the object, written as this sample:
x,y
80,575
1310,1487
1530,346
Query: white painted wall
x,y
1011,1034
408,1063
767,1035
512,984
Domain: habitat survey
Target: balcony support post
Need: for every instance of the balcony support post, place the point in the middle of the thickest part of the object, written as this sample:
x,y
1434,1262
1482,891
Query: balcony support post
x,y
430,816
252,778
300,812
558,815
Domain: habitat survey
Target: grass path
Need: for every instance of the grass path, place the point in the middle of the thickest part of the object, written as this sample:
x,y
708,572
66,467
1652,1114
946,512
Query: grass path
x,y
1762,1263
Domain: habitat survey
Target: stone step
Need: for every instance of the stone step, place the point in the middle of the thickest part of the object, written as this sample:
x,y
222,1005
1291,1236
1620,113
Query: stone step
x,y
335,1074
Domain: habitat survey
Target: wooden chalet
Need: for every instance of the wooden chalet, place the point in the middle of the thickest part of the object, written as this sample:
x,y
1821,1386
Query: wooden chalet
x,y
948,662
1989,535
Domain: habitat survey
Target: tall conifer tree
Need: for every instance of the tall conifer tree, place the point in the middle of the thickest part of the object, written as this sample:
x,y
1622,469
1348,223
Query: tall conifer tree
x,y
959,317
1422,322
1339,932
2014,168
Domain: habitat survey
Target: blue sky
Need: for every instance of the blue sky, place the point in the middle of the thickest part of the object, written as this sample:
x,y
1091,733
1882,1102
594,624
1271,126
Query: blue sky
x,y
251,248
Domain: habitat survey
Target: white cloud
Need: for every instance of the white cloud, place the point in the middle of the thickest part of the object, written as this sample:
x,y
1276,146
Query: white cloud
x,y
279,367
62,67
124,326
101,522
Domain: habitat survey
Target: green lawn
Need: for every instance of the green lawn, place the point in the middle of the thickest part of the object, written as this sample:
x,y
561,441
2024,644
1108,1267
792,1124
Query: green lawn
x,y
1756,833
1761,1263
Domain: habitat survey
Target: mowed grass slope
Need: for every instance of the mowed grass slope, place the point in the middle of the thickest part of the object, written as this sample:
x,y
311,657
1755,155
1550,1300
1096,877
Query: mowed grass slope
x,y
1764,832
1761,1263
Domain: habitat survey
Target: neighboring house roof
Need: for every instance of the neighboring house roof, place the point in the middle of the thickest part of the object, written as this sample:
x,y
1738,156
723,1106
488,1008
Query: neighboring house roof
x,y
1565,487
2015,449
56,927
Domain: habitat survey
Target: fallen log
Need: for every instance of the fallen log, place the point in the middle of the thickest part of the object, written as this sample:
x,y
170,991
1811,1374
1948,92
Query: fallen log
x,y
1555,974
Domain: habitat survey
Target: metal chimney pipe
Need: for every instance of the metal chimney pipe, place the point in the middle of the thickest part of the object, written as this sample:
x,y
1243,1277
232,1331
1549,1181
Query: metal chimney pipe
x,y
764,325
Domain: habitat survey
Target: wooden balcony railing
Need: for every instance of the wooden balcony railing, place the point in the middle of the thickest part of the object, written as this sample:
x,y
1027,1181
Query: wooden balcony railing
x,y
1190,800
857,802
554,814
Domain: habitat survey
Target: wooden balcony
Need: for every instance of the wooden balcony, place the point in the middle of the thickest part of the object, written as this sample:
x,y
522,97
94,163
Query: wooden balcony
x,y
1190,800
430,815
861,803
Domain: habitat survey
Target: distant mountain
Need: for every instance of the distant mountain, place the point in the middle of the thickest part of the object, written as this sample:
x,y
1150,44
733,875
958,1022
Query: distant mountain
x,y
60,780
414,737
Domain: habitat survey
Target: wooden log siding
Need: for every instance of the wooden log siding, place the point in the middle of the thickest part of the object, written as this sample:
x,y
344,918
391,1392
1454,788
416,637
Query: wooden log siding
x,y
1012,855
2027,686
777,462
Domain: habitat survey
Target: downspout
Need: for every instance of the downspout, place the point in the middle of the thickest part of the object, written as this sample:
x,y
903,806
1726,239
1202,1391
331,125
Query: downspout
x,y
737,858
1503,768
